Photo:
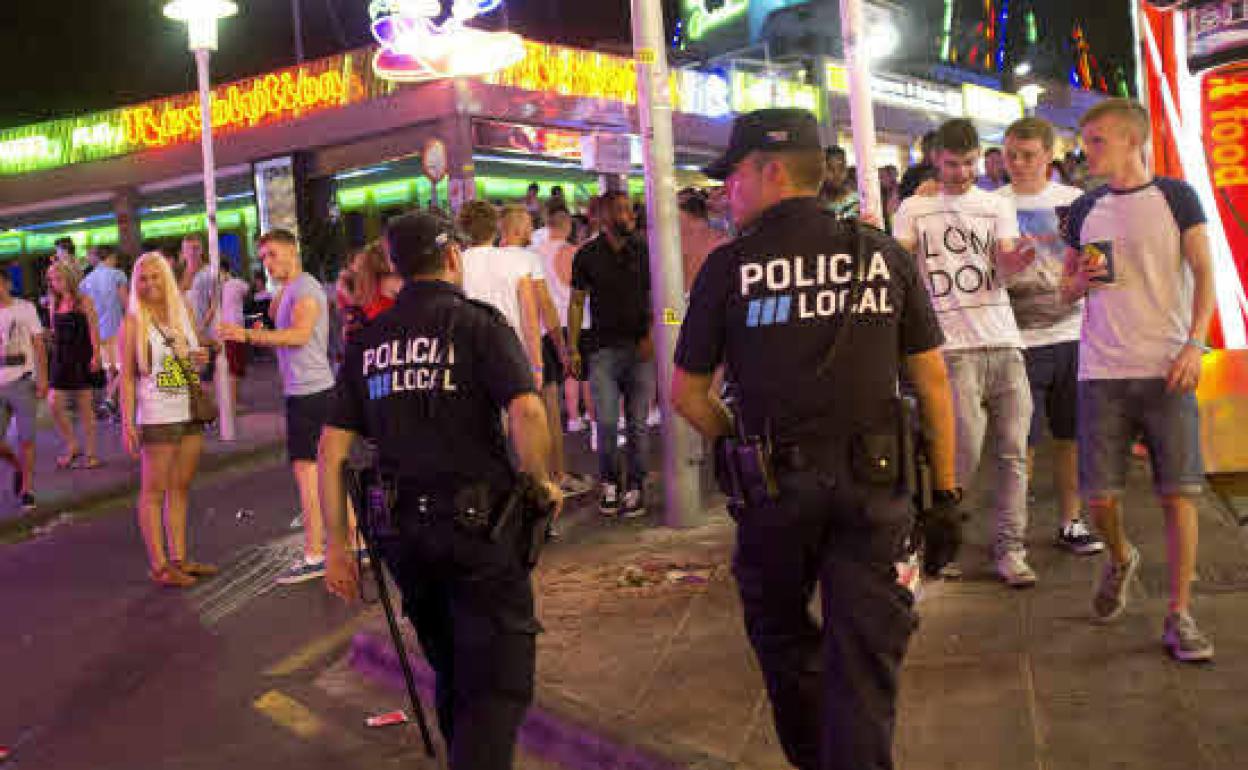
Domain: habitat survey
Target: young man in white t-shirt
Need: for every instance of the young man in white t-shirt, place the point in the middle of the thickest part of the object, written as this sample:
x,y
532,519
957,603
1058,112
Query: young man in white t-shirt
x,y
1144,265
1049,325
23,382
967,243
510,277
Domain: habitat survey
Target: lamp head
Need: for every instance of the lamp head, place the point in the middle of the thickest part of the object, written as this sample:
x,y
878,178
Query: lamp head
x,y
200,17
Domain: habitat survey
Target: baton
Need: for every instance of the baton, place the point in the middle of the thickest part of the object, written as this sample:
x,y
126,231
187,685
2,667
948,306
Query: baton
x,y
383,593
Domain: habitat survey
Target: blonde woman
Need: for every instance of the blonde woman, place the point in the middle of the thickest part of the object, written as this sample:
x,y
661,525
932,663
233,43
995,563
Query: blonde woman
x,y
161,357
74,362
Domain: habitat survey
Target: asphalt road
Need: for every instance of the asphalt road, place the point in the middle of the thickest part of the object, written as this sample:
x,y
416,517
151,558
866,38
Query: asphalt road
x,y
102,670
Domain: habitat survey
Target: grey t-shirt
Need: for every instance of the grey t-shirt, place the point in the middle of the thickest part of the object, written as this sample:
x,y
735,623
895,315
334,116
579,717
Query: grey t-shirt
x,y
305,370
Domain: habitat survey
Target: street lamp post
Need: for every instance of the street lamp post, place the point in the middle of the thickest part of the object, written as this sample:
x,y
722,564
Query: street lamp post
x,y
654,109
200,17
857,44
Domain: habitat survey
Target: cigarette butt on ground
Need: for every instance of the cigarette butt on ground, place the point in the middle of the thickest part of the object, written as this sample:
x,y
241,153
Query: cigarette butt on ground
x,y
387,719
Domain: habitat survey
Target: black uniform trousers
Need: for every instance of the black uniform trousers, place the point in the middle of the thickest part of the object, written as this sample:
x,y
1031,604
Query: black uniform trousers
x,y
471,602
833,689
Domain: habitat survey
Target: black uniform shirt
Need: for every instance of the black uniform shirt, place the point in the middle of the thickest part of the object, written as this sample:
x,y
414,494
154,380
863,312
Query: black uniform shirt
x,y
618,283
770,303
427,380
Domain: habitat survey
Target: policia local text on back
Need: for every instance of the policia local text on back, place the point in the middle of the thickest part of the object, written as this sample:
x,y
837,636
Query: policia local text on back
x,y
425,382
814,355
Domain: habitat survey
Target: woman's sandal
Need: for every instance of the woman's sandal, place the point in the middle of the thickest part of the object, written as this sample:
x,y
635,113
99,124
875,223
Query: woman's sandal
x,y
67,461
169,576
195,569
88,462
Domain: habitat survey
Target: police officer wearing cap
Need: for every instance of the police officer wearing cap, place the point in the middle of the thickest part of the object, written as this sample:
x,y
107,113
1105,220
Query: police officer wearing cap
x,y
427,382
813,320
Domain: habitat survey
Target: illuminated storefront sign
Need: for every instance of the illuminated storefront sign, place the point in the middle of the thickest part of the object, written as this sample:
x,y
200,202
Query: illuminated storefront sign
x,y
57,143
347,79
991,106
703,93
571,72
702,16
416,46
1224,108
270,98
528,140
903,92
755,92
972,101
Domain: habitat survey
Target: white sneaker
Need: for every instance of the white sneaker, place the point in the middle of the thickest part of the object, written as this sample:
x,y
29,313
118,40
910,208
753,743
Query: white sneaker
x,y
655,417
1013,568
593,437
575,425
634,505
609,502
297,522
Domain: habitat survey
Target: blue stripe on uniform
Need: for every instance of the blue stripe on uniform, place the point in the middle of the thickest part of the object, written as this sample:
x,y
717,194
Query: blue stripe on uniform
x,y
769,311
751,315
782,309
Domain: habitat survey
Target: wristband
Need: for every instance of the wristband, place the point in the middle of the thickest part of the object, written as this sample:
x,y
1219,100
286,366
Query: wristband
x,y
1196,343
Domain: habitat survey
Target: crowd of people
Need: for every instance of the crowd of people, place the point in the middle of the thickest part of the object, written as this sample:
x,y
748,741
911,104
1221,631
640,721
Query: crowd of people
x,y
1028,356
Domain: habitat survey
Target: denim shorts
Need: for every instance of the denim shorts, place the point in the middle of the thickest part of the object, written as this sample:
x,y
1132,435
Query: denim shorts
x,y
18,404
1053,371
1114,413
168,433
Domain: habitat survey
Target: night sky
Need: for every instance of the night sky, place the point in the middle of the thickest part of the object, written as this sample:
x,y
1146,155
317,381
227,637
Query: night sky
x,y
70,56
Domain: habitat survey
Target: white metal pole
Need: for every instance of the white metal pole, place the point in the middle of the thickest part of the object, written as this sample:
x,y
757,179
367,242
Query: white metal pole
x,y
296,18
225,396
861,110
654,108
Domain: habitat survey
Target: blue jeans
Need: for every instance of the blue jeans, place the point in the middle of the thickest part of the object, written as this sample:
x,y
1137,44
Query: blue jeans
x,y
1112,413
616,372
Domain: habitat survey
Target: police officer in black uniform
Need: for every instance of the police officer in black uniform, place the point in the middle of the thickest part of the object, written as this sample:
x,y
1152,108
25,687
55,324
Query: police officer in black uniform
x,y
769,306
426,382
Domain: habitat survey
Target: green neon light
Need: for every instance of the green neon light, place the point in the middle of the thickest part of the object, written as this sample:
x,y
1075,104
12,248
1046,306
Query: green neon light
x,y
700,21
946,38
389,193
1033,30
18,242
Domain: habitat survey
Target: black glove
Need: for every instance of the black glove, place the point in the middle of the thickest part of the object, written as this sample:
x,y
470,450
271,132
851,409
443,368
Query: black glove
x,y
942,530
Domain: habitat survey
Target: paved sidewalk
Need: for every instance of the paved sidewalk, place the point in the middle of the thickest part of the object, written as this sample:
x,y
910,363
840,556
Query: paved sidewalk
x,y
260,427
644,663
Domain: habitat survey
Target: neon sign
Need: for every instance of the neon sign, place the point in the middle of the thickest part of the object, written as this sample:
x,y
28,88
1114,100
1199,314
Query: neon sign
x,y
756,92
992,106
347,79
704,16
904,92
703,93
415,46
264,99
571,72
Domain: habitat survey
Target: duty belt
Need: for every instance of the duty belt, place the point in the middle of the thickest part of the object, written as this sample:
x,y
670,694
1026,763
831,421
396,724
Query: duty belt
x,y
470,509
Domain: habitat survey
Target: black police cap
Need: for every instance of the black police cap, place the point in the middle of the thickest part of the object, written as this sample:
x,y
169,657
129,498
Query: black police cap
x,y
770,130
414,237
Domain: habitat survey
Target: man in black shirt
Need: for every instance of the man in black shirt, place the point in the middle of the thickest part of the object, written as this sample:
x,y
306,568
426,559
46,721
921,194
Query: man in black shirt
x,y
426,381
613,270
813,319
